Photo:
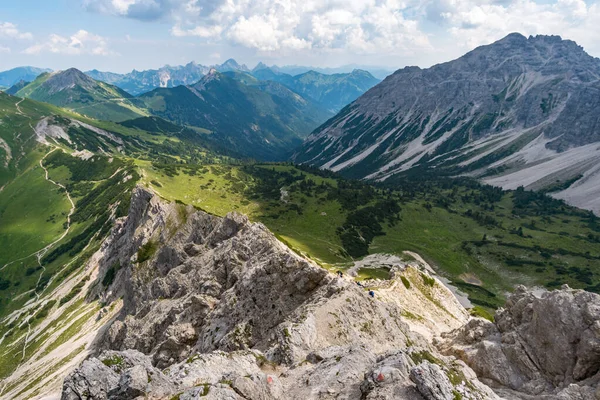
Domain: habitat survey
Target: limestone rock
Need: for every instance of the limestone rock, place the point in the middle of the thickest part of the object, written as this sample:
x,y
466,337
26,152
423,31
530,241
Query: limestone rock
x,y
218,308
91,381
431,382
546,344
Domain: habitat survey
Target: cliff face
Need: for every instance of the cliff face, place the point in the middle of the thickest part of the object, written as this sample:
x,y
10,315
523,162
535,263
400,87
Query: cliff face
x,y
219,308
544,345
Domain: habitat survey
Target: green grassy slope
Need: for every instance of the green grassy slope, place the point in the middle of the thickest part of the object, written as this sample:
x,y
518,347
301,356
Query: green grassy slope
x,y
73,90
33,210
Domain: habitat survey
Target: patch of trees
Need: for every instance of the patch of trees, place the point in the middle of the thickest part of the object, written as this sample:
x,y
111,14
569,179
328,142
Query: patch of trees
x,y
78,242
111,191
528,202
94,169
110,274
363,225
4,283
482,219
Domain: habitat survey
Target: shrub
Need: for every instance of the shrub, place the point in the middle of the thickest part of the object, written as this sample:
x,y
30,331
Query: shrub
x,y
405,282
428,280
147,251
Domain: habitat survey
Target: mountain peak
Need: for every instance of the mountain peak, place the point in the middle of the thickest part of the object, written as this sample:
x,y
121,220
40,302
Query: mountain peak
x,y
260,66
232,65
211,75
231,62
68,78
514,36
72,73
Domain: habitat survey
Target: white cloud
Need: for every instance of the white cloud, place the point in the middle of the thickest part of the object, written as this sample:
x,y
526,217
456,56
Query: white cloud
x,y
472,22
200,31
414,29
4,49
364,26
82,42
10,30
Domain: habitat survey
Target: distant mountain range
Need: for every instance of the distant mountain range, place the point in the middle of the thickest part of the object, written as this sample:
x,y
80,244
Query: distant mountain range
x,y
260,114
13,76
74,90
378,72
332,91
232,110
138,82
519,112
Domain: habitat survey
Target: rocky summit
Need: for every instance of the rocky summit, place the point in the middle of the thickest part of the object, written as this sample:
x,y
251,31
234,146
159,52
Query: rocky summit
x,y
518,112
218,308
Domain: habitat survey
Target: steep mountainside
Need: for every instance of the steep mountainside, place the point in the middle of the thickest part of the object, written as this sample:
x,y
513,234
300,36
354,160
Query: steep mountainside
x,y
63,181
223,308
521,111
12,76
332,91
78,92
256,119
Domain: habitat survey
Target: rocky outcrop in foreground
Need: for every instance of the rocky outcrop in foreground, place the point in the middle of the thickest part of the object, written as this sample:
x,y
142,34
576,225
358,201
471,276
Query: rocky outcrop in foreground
x,y
218,308
542,347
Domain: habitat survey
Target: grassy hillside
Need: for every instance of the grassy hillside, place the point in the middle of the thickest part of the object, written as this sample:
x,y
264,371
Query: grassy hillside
x,y
254,119
34,208
77,92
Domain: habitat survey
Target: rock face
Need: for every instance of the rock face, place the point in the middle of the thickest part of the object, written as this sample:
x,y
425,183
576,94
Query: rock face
x,y
219,308
521,111
546,346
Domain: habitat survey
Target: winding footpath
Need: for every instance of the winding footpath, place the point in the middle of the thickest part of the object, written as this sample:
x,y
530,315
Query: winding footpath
x,y
19,109
43,251
40,253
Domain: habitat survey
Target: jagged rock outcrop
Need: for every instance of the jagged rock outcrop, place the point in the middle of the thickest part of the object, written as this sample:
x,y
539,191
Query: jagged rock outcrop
x,y
543,346
219,308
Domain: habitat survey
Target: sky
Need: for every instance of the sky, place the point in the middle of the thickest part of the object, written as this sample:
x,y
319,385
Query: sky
x,y
121,35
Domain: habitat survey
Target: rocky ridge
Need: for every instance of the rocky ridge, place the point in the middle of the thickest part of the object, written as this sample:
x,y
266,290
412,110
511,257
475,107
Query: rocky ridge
x,y
219,308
